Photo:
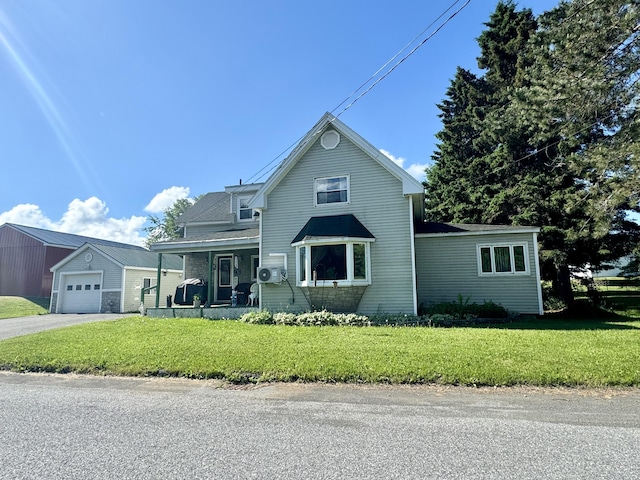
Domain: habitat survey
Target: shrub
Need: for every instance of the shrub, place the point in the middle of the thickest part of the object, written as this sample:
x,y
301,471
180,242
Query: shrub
x,y
324,317
285,318
444,314
262,317
398,319
550,300
464,310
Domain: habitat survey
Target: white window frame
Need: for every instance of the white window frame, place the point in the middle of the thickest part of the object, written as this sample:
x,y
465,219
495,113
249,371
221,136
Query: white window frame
x,y
148,282
315,190
492,247
350,280
247,198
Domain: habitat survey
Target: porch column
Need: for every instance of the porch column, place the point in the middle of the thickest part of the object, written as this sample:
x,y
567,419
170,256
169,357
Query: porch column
x,y
210,281
159,274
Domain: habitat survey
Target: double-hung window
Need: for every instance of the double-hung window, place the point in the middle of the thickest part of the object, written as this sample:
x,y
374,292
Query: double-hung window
x,y
325,263
244,212
329,190
503,259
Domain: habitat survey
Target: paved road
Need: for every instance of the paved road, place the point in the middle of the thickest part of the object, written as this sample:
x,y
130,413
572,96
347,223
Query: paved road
x,y
15,327
75,427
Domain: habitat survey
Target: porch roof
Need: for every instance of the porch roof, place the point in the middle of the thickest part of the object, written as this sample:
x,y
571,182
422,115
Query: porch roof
x,y
232,238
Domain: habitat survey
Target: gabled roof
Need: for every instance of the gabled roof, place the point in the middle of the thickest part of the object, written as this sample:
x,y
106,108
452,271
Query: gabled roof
x,y
446,228
50,238
214,207
343,226
410,186
127,257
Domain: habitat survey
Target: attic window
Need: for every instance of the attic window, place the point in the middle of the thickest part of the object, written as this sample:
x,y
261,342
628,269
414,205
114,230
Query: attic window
x,y
330,140
244,212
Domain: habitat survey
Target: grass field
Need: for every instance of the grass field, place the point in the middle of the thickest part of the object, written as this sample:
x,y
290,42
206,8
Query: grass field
x,y
596,348
11,307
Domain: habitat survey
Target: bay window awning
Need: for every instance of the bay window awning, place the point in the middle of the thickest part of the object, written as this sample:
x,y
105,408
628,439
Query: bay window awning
x,y
333,226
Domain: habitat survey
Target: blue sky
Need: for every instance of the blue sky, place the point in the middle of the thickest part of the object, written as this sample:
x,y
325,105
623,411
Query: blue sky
x,y
112,109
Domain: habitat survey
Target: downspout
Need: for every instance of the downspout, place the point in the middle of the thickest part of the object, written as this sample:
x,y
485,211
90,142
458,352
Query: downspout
x,y
413,258
210,281
260,301
539,282
159,274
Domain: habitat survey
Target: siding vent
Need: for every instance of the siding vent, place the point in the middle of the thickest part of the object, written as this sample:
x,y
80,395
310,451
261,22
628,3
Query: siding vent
x,y
330,140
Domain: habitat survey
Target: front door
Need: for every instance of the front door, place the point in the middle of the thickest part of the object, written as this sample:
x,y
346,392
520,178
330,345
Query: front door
x,y
225,276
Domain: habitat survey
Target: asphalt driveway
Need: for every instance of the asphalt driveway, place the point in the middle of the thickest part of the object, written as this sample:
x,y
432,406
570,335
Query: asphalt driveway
x,y
15,327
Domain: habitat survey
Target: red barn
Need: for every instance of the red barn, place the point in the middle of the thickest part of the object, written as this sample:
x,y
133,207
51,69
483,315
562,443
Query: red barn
x,y
27,255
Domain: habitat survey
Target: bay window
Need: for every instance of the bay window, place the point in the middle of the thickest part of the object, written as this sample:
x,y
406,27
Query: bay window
x,y
322,263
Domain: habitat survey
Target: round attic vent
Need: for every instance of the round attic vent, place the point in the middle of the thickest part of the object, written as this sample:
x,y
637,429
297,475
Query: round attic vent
x,y
330,140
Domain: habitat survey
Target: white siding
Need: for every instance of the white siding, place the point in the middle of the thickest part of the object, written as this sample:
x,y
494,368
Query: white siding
x,y
376,199
447,267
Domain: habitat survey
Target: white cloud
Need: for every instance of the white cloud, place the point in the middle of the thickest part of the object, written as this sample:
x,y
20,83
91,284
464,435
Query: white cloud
x,y
416,170
89,218
26,214
166,198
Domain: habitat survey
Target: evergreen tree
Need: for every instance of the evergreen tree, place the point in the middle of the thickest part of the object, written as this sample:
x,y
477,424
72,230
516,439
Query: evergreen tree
x,y
460,152
555,133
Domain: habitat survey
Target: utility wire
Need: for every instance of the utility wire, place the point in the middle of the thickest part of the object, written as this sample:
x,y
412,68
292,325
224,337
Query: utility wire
x,y
265,171
375,74
270,167
404,58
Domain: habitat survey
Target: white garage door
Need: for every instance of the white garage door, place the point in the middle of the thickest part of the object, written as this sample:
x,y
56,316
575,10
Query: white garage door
x,y
81,293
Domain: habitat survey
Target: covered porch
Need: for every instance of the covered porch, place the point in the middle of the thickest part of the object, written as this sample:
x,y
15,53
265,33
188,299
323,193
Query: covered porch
x,y
226,264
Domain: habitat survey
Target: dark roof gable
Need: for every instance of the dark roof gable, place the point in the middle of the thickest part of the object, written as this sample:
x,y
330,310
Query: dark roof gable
x,y
333,226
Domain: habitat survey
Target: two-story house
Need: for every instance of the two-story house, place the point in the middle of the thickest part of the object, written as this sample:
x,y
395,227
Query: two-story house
x,y
340,226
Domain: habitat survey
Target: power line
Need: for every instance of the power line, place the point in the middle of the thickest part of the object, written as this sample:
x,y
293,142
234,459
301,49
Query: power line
x,y
264,171
269,167
375,74
405,57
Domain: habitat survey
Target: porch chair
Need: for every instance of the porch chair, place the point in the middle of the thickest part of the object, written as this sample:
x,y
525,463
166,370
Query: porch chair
x,y
253,295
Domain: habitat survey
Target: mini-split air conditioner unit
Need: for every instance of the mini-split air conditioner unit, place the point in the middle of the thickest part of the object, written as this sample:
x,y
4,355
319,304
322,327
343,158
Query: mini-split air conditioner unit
x,y
269,275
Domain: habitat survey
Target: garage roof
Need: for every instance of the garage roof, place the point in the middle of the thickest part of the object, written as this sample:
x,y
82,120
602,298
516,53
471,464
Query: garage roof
x,y
133,257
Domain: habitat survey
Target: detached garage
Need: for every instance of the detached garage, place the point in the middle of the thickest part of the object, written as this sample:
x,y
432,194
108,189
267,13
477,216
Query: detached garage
x,y
102,278
82,292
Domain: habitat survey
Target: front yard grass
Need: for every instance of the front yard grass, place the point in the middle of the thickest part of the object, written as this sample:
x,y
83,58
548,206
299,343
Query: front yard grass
x,y
11,307
548,352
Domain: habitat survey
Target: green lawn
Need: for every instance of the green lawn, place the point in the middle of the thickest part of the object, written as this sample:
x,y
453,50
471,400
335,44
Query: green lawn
x,y
551,351
11,307
588,348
